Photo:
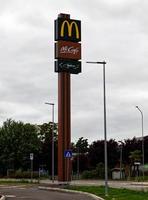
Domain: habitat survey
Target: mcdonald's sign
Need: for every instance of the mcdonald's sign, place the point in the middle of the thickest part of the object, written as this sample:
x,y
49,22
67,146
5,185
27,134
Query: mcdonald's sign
x,y
67,30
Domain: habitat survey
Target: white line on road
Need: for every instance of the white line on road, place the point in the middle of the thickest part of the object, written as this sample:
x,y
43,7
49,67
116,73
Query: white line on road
x,y
10,196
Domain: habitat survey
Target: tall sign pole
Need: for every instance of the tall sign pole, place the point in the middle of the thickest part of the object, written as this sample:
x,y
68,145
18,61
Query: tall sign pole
x,y
67,55
31,159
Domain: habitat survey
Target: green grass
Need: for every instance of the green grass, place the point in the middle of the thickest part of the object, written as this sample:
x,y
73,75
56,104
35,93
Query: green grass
x,y
13,181
114,194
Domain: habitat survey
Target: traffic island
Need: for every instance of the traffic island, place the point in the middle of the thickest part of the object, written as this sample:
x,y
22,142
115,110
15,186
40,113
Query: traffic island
x,y
62,188
2,197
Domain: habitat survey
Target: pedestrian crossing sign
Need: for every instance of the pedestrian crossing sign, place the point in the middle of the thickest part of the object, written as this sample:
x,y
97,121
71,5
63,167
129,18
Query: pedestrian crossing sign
x,y
68,153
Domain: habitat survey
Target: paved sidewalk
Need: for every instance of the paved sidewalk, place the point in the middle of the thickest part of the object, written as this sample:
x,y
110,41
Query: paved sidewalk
x,y
114,184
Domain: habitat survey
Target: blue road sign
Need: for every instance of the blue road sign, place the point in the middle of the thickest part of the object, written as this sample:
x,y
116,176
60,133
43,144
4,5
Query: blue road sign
x,y
68,153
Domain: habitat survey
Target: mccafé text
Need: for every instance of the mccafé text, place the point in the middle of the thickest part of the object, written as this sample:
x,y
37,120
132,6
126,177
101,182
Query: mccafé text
x,y
69,50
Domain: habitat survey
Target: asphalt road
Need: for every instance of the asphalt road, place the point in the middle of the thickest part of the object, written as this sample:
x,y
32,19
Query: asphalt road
x,y
33,193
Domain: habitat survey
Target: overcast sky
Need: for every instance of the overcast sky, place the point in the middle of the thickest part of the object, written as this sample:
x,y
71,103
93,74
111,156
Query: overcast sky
x,y
112,30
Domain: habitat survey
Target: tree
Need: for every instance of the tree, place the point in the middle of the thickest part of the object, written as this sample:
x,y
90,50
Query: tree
x,y
80,160
17,141
130,145
145,149
113,153
45,155
82,144
135,156
96,153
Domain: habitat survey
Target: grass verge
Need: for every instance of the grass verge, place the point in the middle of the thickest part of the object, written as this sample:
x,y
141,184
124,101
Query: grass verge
x,y
16,181
114,194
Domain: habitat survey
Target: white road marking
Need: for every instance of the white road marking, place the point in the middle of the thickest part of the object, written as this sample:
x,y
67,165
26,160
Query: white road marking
x,y
10,196
11,187
13,196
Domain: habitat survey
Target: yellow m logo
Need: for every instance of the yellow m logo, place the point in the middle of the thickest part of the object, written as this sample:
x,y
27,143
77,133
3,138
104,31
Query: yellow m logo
x,y
69,26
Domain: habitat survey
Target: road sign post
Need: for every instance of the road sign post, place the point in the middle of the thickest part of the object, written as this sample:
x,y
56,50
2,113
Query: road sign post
x,y
31,160
68,156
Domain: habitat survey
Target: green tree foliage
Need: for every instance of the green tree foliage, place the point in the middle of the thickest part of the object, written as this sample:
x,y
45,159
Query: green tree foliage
x,y
130,145
146,149
113,154
96,153
80,159
17,141
98,172
82,144
45,136
135,156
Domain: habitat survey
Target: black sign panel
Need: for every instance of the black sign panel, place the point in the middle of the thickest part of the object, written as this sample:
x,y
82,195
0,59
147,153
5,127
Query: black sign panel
x,y
67,30
73,67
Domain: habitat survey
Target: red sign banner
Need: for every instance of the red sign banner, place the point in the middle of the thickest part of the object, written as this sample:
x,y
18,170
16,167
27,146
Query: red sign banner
x,y
67,50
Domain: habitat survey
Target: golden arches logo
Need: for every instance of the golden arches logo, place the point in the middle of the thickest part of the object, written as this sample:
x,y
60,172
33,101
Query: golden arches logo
x,y
69,26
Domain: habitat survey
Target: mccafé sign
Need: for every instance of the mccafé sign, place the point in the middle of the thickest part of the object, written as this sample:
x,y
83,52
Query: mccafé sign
x,y
67,46
68,50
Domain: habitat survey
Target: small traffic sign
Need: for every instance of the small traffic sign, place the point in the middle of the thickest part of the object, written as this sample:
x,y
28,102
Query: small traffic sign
x,y
31,156
68,153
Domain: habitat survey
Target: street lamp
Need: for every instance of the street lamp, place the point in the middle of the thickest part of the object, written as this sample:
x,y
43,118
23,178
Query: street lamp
x,y
52,104
121,147
78,162
142,139
105,130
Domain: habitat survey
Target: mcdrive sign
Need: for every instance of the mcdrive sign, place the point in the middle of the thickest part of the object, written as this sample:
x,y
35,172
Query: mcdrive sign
x,y
67,47
71,66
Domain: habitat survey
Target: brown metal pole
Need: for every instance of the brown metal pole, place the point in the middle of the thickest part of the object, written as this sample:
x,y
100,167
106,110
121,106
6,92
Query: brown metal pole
x,y
64,125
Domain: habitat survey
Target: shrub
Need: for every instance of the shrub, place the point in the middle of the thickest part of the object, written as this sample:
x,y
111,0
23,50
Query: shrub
x,y
23,174
98,172
89,174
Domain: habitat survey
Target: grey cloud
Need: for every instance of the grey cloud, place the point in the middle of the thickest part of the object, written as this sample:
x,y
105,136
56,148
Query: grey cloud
x,y
111,30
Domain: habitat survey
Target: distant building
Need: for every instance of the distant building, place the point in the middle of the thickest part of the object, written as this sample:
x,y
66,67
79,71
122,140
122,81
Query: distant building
x,y
118,174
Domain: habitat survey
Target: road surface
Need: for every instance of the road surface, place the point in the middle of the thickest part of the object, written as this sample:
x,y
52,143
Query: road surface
x,y
33,193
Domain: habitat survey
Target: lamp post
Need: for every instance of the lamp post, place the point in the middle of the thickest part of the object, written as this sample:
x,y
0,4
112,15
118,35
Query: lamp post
x,y
105,130
78,162
52,104
142,138
121,148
